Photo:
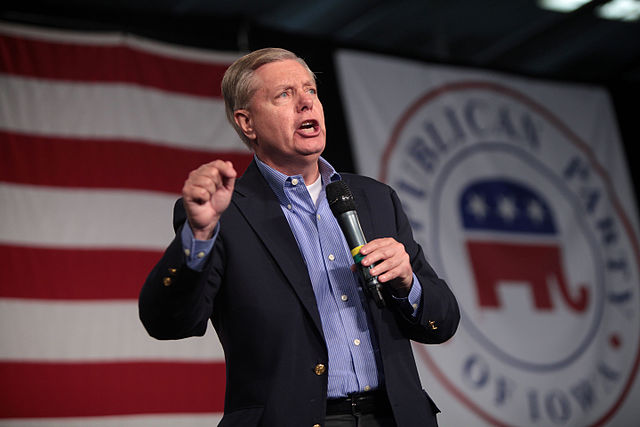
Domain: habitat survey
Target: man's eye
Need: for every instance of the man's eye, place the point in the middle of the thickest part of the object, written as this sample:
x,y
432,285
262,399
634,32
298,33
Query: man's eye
x,y
313,91
283,94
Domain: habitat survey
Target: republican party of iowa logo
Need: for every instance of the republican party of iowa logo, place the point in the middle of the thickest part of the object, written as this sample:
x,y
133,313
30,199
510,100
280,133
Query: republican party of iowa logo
x,y
517,214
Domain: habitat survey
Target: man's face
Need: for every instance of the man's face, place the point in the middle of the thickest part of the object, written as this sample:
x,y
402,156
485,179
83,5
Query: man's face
x,y
285,118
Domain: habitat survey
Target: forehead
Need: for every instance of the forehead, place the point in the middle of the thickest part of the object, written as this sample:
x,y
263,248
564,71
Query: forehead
x,y
279,73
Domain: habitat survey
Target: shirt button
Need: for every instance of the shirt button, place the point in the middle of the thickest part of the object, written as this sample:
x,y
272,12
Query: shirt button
x,y
201,254
344,298
289,206
415,306
294,181
367,388
331,257
318,216
356,341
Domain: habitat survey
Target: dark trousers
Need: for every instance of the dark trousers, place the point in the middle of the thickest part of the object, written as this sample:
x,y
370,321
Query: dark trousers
x,y
366,409
359,420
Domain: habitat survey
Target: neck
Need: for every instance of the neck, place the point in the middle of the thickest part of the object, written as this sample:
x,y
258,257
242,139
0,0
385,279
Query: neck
x,y
306,167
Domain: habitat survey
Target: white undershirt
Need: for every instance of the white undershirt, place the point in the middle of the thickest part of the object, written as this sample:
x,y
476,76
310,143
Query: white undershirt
x,y
315,189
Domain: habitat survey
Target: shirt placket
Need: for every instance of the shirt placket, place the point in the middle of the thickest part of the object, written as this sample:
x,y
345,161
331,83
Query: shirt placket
x,y
347,298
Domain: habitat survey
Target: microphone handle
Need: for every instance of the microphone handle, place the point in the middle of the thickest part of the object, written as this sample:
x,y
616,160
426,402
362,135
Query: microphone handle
x,y
371,286
352,230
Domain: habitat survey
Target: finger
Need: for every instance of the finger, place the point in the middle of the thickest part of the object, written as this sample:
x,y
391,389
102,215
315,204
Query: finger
x,y
383,243
386,266
372,246
222,168
402,274
381,251
227,170
390,259
199,188
222,172
229,177
205,181
388,276
219,172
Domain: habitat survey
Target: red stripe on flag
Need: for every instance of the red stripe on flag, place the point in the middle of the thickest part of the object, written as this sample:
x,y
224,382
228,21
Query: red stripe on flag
x,y
93,163
36,390
74,274
95,63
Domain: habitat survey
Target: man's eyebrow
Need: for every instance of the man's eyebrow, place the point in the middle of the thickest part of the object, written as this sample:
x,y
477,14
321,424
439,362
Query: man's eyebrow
x,y
284,86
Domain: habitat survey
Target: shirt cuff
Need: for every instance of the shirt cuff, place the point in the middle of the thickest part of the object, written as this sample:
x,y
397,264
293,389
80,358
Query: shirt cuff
x,y
412,300
196,251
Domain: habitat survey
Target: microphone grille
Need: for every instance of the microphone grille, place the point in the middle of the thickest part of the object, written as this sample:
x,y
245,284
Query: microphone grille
x,y
340,198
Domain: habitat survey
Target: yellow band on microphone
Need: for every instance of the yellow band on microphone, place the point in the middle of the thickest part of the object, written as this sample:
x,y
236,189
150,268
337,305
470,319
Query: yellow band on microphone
x,y
355,253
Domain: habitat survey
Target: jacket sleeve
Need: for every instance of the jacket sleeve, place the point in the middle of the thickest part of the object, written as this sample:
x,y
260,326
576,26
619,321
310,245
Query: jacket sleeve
x,y
176,301
439,315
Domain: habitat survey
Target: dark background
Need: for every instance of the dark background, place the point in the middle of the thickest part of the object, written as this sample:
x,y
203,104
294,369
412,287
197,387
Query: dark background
x,y
512,36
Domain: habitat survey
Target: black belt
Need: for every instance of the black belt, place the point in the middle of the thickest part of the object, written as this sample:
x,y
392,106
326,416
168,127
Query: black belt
x,y
367,402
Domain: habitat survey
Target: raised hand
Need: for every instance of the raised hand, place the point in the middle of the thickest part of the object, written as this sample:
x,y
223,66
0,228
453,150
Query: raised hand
x,y
206,194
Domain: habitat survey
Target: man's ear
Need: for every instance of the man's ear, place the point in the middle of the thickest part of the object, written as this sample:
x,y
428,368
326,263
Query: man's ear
x,y
243,120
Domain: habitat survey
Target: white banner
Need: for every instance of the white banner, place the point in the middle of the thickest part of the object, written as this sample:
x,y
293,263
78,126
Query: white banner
x,y
519,193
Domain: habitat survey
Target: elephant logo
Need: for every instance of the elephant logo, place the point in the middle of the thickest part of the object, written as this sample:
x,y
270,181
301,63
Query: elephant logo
x,y
513,241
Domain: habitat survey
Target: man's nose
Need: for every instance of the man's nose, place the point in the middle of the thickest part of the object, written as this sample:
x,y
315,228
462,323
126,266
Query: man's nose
x,y
305,101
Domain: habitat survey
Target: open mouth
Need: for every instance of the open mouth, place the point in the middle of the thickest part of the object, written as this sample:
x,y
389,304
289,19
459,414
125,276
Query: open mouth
x,y
309,126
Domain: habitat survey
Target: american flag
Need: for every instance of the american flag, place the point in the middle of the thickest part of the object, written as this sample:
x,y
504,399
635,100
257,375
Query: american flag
x,y
98,132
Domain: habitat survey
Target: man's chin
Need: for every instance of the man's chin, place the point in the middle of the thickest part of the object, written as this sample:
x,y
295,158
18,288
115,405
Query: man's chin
x,y
311,148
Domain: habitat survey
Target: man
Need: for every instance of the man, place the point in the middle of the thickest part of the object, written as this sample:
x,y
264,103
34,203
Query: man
x,y
265,260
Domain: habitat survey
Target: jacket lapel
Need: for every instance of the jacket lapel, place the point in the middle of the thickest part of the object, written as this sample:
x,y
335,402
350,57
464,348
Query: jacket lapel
x,y
257,203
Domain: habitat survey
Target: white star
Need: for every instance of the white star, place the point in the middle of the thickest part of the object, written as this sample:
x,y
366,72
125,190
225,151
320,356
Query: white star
x,y
535,211
477,206
507,208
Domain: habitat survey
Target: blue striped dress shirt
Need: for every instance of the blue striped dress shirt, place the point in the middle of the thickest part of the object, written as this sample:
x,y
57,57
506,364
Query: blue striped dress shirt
x,y
351,346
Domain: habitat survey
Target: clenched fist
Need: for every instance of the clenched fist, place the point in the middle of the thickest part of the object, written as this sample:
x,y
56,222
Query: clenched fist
x,y
206,194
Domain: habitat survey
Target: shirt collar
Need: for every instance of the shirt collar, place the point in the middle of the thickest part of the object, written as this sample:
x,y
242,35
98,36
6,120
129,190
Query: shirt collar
x,y
279,181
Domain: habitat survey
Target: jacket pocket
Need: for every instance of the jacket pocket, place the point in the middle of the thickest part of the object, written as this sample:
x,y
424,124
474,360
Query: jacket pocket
x,y
245,417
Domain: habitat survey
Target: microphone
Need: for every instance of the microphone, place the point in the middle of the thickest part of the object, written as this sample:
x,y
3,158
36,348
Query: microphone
x,y
344,209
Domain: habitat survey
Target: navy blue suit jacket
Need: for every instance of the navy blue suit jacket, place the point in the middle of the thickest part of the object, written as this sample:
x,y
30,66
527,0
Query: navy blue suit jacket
x,y
256,290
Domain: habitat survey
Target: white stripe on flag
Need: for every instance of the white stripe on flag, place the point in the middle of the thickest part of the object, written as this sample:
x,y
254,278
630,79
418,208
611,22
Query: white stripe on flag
x,y
47,216
164,420
114,110
91,331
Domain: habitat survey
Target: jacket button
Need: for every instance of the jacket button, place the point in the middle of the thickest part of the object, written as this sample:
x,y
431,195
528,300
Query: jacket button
x,y
432,323
320,369
173,271
166,281
316,425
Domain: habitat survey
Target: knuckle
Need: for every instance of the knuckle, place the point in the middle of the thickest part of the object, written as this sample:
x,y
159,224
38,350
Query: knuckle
x,y
202,193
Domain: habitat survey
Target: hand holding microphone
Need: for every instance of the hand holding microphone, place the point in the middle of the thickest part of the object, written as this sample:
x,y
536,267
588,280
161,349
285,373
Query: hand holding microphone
x,y
344,209
386,259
